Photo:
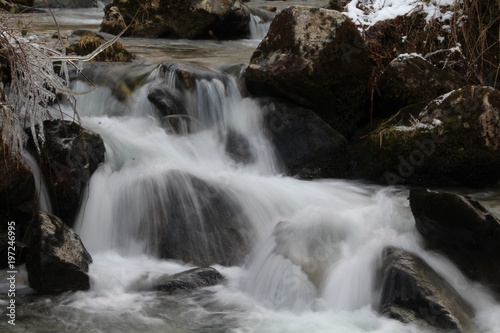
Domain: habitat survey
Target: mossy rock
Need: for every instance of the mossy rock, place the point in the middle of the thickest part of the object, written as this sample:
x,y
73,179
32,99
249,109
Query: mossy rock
x,y
455,142
89,43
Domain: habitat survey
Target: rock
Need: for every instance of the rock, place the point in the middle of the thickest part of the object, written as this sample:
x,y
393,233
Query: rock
x,y
17,200
66,3
27,3
170,105
453,142
56,261
121,78
69,156
307,146
317,58
238,147
412,292
337,5
188,280
411,79
474,110
190,219
463,230
89,43
220,19
143,18
113,21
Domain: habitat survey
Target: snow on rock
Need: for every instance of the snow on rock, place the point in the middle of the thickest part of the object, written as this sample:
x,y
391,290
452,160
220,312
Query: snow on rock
x,y
366,13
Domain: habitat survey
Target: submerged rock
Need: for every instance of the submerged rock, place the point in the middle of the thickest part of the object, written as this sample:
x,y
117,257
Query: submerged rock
x,y
188,280
308,147
238,147
190,219
412,292
122,79
170,105
69,156
56,261
463,230
412,79
314,57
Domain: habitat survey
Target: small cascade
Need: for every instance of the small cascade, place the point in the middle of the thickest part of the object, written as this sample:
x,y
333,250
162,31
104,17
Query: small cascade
x,y
190,176
42,193
173,154
258,27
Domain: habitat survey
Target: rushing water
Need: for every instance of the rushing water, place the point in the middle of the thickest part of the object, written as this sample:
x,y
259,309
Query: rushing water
x,y
314,246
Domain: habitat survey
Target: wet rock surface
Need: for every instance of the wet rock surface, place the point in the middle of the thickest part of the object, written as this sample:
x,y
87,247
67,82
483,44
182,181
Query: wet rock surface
x,y
69,156
412,292
463,230
184,281
57,260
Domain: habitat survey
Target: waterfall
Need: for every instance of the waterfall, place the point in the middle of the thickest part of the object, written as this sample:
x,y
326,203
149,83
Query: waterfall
x,y
258,27
42,193
190,179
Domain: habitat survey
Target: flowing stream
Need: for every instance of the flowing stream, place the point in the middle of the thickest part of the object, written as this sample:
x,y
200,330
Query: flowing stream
x,y
313,247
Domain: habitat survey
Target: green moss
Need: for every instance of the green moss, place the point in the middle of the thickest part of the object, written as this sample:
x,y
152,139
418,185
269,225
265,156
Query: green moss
x,y
89,43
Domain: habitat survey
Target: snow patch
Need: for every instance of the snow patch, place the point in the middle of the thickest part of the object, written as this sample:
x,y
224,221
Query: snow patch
x,y
366,13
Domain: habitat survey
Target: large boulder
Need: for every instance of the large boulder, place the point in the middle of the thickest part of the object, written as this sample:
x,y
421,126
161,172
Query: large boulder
x,y
194,19
184,281
454,141
69,156
314,57
307,146
412,292
56,261
220,19
463,230
411,79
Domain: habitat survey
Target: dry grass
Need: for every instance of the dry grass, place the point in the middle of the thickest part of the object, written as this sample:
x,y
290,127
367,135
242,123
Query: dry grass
x,y
468,42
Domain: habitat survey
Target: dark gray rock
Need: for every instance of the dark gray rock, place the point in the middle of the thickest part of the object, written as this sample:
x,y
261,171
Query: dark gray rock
x,y
18,201
308,147
412,79
412,292
56,261
196,19
463,230
316,58
190,219
69,156
66,3
188,280
238,147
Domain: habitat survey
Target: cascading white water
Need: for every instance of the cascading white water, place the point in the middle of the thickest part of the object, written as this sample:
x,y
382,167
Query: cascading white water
x,y
42,193
313,247
258,27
